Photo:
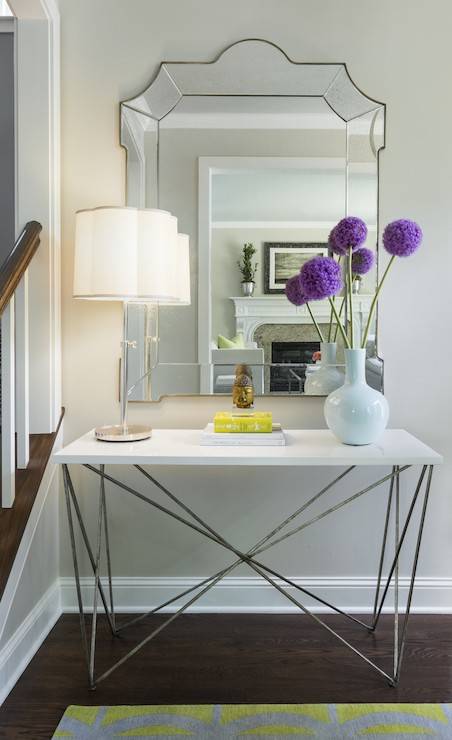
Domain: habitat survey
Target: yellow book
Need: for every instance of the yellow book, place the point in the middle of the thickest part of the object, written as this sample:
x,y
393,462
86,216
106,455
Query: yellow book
x,y
252,423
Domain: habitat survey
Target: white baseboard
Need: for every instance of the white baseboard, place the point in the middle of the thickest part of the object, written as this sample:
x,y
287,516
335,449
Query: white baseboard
x,y
28,638
252,595
232,595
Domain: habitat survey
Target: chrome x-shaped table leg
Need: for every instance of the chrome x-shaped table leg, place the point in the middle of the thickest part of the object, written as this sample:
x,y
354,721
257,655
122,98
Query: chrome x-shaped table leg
x,y
267,573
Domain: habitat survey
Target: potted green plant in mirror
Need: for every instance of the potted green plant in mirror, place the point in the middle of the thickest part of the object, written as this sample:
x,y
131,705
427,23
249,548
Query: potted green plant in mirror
x,y
248,269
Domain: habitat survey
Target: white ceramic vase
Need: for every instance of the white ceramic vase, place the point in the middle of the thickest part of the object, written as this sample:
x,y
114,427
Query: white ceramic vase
x,y
356,413
328,377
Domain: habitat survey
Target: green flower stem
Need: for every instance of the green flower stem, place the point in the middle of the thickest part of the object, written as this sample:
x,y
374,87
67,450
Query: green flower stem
x,y
341,328
340,314
330,328
350,297
346,301
373,305
315,322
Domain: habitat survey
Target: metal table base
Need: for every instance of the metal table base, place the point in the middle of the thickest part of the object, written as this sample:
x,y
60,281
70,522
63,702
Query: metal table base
x,y
251,558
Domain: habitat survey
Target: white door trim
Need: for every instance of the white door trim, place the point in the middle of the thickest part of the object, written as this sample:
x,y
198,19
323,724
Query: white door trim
x,y
37,23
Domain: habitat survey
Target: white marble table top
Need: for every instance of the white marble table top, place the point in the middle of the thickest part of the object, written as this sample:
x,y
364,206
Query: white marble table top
x,y
304,447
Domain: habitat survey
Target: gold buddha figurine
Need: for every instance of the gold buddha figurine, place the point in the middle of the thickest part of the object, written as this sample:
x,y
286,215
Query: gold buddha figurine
x,y
242,390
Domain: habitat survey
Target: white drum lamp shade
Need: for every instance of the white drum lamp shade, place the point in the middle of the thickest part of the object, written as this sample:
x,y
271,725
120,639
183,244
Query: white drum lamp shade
x,y
129,254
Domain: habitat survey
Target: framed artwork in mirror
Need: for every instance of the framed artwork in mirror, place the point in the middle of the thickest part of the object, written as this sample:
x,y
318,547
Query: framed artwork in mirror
x,y
284,259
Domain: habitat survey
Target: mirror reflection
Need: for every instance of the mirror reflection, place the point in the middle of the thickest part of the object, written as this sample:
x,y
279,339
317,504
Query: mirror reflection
x,y
258,182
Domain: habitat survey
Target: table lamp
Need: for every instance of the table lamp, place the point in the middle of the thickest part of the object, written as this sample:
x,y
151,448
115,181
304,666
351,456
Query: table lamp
x,y
130,255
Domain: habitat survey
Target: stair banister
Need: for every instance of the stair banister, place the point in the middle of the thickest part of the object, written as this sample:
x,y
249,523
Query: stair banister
x,y
14,376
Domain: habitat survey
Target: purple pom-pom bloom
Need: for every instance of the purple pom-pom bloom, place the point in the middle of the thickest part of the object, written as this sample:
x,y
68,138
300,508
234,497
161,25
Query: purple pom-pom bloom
x,y
332,243
320,278
362,261
350,232
401,238
294,291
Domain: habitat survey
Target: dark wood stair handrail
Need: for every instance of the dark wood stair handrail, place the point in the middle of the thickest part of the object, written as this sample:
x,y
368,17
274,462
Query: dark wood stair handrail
x,y
13,268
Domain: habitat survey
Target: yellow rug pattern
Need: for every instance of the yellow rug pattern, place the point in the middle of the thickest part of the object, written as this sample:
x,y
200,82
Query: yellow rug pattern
x,y
209,722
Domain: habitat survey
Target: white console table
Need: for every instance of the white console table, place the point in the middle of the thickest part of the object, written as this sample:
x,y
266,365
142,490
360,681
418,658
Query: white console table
x,y
397,451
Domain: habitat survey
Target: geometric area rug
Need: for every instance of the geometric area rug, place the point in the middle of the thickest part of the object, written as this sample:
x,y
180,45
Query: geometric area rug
x,y
221,721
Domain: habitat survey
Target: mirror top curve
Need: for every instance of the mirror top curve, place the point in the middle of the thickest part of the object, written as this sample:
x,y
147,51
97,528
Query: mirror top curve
x,y
272,73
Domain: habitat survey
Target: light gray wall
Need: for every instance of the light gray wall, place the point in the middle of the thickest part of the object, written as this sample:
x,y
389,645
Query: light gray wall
x,y
111,51
7,223
281,195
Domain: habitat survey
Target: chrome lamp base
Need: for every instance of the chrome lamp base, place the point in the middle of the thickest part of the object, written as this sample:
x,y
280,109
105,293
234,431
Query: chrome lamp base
x,y
123,433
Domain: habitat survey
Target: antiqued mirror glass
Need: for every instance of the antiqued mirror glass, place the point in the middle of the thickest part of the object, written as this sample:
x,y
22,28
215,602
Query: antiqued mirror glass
x,y
251,149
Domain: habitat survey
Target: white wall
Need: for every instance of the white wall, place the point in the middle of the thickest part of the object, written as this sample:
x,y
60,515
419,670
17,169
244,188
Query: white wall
x,y
110,51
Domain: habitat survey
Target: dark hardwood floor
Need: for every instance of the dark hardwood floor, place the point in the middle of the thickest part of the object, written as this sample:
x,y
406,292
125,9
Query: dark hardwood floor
x,y
228,659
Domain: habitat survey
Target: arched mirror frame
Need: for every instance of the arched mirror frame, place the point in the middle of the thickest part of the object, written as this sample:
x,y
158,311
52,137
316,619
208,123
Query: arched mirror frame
x,y
250,67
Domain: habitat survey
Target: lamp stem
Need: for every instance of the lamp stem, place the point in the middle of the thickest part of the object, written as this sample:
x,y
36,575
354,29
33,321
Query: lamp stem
x,y
124,367
124,432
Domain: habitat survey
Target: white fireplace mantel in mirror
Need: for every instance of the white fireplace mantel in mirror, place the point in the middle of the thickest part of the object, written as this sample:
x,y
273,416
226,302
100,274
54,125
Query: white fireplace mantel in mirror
x,y
250,313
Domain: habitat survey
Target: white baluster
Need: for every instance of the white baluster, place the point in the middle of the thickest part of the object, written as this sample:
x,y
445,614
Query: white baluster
x,y
8,407
22,373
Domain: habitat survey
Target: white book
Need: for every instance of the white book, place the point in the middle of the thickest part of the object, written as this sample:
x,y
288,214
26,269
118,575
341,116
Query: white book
x,y
231,439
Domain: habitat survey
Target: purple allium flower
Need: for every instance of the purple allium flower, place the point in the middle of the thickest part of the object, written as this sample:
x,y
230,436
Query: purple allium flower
x,y
332,243
350,232
362,261
294,291
320,278
401,238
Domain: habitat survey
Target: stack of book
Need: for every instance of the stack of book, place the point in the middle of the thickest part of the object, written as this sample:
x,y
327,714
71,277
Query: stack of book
x,y
254,428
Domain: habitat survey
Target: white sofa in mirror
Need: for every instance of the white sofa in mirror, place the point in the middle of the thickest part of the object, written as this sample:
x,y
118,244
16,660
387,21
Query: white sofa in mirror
x,y
251,148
